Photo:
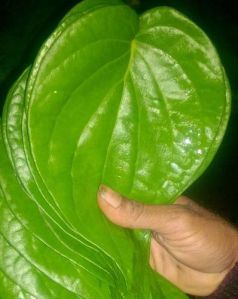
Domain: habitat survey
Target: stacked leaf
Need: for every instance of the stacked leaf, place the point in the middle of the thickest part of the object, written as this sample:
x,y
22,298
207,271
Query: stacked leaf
x,y
137,103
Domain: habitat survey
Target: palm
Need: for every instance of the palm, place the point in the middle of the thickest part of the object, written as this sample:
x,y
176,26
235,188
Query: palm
x,y
189,254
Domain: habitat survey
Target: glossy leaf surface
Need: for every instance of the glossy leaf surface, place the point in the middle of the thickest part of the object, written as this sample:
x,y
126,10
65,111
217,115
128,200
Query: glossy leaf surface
x,y
137,103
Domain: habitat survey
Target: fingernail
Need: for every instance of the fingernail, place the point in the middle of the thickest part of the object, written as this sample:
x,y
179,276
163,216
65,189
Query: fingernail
x,y
111,197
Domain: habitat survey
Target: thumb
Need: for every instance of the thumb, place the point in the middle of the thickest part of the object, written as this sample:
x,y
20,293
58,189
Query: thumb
x,y
132,214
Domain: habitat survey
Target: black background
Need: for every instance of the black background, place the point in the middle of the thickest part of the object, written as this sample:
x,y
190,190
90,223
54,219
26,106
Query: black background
x,y
25,24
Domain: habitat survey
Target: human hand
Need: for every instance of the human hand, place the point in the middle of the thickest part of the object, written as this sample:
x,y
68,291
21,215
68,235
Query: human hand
x,y
190,246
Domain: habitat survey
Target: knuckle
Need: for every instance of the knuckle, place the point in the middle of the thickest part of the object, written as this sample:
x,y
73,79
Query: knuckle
x,y
187,219
184,218
136,210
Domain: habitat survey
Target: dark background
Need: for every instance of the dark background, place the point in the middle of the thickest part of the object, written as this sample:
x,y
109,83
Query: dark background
x,y
25,24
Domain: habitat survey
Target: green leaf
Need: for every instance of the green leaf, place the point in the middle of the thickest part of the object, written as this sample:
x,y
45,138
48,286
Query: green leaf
x,y
138,103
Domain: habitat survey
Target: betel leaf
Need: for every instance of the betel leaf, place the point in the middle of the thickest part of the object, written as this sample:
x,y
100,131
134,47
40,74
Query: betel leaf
x,y
139,103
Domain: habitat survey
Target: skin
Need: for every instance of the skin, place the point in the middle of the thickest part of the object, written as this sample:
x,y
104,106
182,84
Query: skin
x,y
190,246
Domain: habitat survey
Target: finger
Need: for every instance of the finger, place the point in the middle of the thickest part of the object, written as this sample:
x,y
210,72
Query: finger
x,y
184,200
132,214
189,203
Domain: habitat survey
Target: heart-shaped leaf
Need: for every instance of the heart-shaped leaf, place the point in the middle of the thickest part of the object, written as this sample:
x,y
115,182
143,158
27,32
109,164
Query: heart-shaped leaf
x,y
137,103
